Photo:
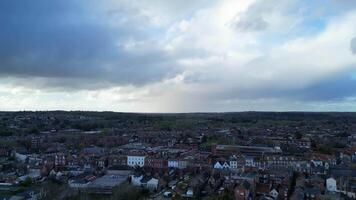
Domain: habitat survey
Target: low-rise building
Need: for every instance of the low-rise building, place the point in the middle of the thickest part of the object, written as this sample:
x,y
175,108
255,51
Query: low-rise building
x,y
134,161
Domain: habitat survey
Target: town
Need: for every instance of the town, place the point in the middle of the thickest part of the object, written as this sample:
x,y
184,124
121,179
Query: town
x,y
241,156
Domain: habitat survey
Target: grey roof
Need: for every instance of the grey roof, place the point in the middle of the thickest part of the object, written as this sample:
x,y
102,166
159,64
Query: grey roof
x,y
109,181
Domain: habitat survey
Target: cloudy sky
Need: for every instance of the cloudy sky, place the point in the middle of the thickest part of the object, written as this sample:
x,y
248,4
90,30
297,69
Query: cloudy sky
x,y
178,55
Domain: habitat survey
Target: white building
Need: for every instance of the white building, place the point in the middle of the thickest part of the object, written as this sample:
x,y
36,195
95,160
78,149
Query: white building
x,y
152,184
233,164
331,184
136,161
218,165
233,161
79,183
182,164
249,161
173,163
221,165
274,193
59,160
190,192
136,180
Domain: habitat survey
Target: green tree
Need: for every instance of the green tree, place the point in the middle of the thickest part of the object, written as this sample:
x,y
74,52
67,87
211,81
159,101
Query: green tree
x,y
34,130
27,182
126,191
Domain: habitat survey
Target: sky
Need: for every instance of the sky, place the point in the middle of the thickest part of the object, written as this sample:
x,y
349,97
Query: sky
x,y
178,56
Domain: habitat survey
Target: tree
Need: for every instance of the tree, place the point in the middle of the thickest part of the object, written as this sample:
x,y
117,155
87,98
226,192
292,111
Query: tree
x,y
34,130
325,149
126,191
145,192
298,135
27,182
5,132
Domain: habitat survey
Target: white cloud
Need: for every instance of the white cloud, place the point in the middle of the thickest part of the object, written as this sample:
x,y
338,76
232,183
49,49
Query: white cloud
x,y
195,56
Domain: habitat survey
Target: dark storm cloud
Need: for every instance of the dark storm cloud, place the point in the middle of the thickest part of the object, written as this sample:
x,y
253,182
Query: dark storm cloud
x,y
252,19
332,89
353,45
78,40
336,88
248,23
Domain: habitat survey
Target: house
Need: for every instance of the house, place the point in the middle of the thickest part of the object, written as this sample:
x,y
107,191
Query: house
x,y
345,180
233,164
318,168
4,152
303,143
283,192
242,191
274,193
101,162
156,163
87,167
145,181
72,160
152,184
60,159
34,173
279,175
262,189
134,161
331,185
298,194
79,183
167,194
106,183
93,151
245,150
190,192
136,180
114,160
236,161
36,142
302,167
75,171
311,193
177,163
182,164
249,161
21,157
221,165
173,163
